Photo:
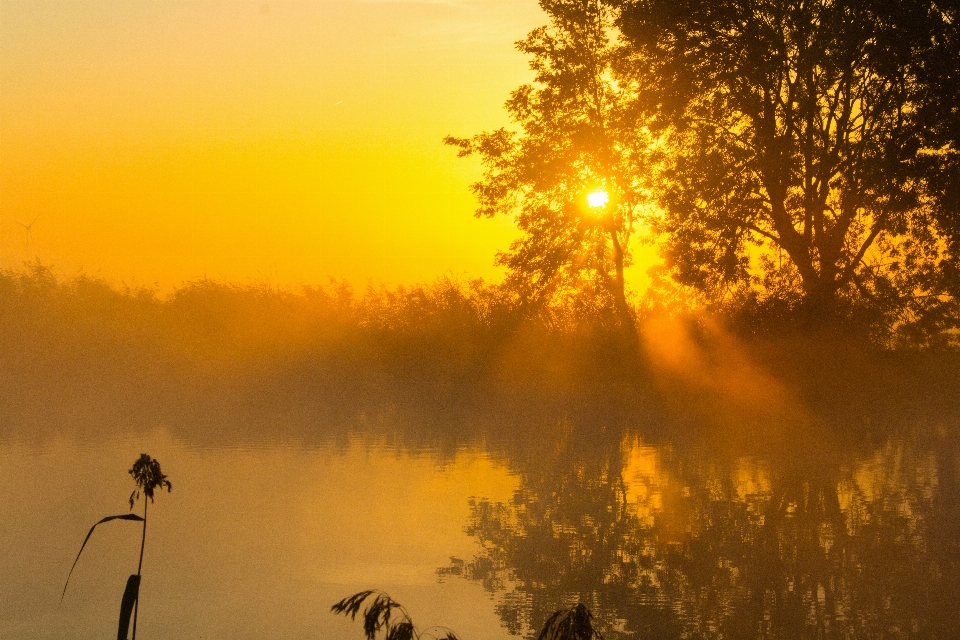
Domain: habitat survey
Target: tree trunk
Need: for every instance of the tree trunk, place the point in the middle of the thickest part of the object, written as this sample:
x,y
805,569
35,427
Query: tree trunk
x,y
820,303
624,312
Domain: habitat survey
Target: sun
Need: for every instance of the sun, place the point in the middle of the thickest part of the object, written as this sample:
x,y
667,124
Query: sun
x,y
598,198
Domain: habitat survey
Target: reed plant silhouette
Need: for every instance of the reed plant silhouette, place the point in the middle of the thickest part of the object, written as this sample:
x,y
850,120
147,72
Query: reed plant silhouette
x,y
575,623
387,618
148,478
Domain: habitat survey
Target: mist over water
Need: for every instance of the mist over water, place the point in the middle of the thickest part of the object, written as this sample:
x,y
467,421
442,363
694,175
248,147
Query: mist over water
x,y
484,470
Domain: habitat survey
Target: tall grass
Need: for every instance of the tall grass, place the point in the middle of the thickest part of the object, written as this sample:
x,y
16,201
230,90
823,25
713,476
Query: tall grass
x,y
148,477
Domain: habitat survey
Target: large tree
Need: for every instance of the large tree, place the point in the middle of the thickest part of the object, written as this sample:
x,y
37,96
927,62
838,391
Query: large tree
x,y
802,153
571,135
810,148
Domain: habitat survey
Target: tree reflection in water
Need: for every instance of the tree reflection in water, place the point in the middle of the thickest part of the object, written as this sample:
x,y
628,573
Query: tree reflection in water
x,y
665,543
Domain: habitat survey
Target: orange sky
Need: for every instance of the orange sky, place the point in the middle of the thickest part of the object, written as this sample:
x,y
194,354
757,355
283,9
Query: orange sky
x,y
163,141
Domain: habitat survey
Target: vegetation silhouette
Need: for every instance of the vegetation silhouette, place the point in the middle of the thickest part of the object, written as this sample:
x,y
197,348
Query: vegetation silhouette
x,y
148,477
566,624
795,161
453,365
798,163
576,135
223,355
444,364
124,516
378,616
806,143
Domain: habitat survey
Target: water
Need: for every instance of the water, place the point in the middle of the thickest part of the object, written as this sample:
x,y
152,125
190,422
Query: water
x,y
253,542
717,528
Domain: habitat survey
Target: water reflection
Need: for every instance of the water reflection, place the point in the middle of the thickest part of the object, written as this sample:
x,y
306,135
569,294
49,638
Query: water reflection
x,y
255,542
832,541
725,509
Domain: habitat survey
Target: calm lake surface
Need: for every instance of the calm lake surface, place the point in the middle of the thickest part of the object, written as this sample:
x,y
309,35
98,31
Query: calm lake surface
x,y
780,526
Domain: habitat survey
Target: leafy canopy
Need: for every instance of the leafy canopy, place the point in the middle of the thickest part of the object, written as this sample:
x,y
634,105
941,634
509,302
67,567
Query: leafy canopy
x,y
801,154
573,134
807,146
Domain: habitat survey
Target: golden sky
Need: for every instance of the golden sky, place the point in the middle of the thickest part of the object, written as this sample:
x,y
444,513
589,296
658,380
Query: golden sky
x,y
167,140
286,142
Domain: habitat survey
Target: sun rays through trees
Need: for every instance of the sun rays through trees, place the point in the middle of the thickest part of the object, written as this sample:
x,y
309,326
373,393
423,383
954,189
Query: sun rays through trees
x,y
790,157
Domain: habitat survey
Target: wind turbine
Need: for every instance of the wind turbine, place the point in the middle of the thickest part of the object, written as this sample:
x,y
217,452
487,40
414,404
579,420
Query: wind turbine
x,y
28,227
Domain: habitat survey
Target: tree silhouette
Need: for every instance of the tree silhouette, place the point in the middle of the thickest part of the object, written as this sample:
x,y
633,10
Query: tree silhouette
x,y
803,155
575,136
810,149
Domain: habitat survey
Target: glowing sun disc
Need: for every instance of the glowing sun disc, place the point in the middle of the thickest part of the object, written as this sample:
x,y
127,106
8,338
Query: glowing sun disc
x,y
598,199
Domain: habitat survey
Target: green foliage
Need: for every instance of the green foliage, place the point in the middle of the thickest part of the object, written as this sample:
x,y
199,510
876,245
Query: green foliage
x,y
148,476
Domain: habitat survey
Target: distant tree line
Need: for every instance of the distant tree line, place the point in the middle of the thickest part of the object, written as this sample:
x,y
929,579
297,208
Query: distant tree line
x,y
793,159
228,354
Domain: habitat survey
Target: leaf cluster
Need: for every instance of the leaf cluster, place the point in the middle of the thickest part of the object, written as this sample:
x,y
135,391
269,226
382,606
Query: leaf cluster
x,y
566,624
788,153
810,162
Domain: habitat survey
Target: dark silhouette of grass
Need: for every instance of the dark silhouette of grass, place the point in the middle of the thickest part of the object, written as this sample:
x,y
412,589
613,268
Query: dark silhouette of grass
x,y
386,617
148,477
124,516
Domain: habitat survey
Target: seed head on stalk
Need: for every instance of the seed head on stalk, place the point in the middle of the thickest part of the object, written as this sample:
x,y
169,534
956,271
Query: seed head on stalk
x,y
148,476
146,473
